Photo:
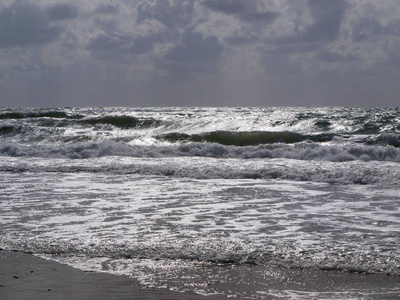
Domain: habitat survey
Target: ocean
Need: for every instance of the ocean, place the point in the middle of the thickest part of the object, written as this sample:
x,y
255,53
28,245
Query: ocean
x,y
163,193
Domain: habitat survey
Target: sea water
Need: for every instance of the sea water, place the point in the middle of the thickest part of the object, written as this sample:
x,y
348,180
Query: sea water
x,y
156,192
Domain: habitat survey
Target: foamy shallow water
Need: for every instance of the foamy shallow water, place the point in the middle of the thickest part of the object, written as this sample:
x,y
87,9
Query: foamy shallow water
x,y
244,220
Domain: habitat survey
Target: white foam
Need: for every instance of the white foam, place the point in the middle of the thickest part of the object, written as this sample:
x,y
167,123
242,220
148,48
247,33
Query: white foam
x,y
282,222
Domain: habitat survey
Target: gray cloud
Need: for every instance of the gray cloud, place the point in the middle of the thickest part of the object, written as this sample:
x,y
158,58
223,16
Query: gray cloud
x,y
265,17
23,24
187,47
245,10
293,48
196,49
237,40
194,55
104,43
230,52
281,65
329,56
107,9
327,17
145,44
392,50
119,47
169,13
226,6
367,27
62,11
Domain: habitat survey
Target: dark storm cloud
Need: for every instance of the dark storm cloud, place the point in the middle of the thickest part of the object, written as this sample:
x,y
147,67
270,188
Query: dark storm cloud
x,y
62,11
23,24
244,10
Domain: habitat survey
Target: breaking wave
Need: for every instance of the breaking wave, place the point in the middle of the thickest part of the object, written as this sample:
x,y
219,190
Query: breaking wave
x,y
217,250
300,151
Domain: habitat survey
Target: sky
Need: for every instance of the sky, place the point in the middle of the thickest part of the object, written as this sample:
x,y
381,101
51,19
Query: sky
x,y
58,53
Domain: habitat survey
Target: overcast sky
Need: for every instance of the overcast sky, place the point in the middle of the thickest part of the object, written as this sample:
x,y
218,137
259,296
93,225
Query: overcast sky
x,y
58,53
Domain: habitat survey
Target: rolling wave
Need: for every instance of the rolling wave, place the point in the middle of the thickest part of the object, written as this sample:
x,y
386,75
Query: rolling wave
x,y
354,165
391,139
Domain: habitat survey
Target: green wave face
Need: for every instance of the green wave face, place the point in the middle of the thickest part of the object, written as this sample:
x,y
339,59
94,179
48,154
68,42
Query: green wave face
x,y
123,122
248,138
12,115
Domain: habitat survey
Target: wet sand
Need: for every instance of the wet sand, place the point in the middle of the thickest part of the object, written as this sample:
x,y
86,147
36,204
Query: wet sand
x,y
24,276
272,282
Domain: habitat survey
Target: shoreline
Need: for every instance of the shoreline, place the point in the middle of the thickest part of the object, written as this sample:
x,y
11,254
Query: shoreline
x,y
25,276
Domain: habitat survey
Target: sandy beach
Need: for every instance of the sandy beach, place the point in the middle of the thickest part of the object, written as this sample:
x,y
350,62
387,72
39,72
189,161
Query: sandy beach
x,y
24,276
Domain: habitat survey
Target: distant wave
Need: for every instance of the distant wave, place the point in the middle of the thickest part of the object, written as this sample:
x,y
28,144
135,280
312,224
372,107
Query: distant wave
x,y
46,114
225,126
123,122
